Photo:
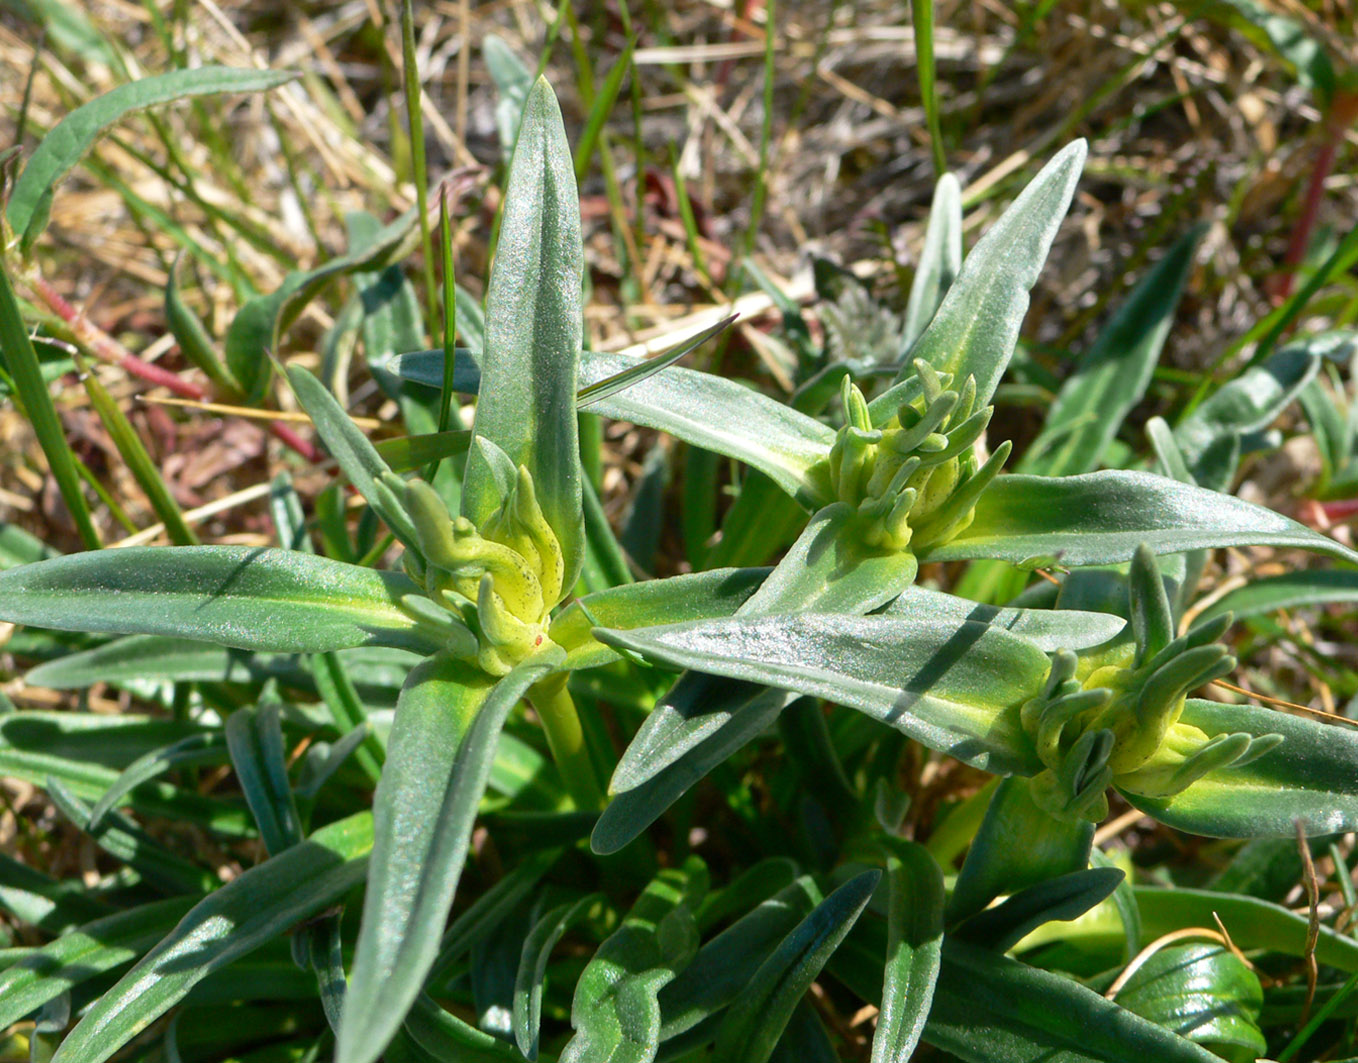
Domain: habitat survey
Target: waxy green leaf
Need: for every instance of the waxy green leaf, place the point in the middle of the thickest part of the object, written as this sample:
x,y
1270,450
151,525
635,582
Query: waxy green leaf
x,y
956,688
258,906
940,261
913,951
534,321
977,325
1101,517
438,762
254,599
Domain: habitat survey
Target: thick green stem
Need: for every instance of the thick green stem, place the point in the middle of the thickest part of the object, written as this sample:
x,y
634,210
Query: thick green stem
x,y
556,707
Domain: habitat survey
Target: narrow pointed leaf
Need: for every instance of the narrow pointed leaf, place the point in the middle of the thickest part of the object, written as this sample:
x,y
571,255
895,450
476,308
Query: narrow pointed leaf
x,y
1290,590
254,599
1113,374
537,950
702,409
258,906
534,320
79,955
1099,518
75,134
208,748
976,327
752,1027
939,262
1048,629
914,949
255,739
1062,898
438,762
615,1012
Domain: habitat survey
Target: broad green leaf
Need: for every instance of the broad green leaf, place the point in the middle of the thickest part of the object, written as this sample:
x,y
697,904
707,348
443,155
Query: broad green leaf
x,y
995,866
75,134
954,687
255,738
258,906
534,320
696,596
21,361
248,598
438,762
977,325
703,719
537,950
1047,629
913,950
1113,374
754,1023
725,966
991,1009
701,409
756,883
1204,993
615,1012
43,974
410,453
939,262
1101,517
93,738
1312,778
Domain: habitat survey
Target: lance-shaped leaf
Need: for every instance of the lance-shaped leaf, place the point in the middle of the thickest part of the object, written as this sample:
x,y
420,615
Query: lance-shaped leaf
x,y
1100,518
1311,778
991,1009
976,327
1048,629
43,974
939,262
537,949
534,320
1290,590
75,134
253,599
914,949
260,905
752,1027
255,738
1113,375
375,670
702,409
954,687
615,1011
703,719
696,596
439,759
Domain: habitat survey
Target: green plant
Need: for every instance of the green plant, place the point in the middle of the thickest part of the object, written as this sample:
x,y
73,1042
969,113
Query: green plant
x,y
488,611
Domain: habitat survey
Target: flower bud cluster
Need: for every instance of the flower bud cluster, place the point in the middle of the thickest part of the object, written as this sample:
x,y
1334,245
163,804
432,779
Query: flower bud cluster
x,y
913,479
1120,725
502,578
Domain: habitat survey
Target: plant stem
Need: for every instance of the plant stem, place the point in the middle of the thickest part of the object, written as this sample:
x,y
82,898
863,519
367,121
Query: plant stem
x,y
556,707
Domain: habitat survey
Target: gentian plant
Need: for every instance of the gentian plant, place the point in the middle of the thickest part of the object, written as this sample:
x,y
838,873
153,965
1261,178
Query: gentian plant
x,y
507,605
